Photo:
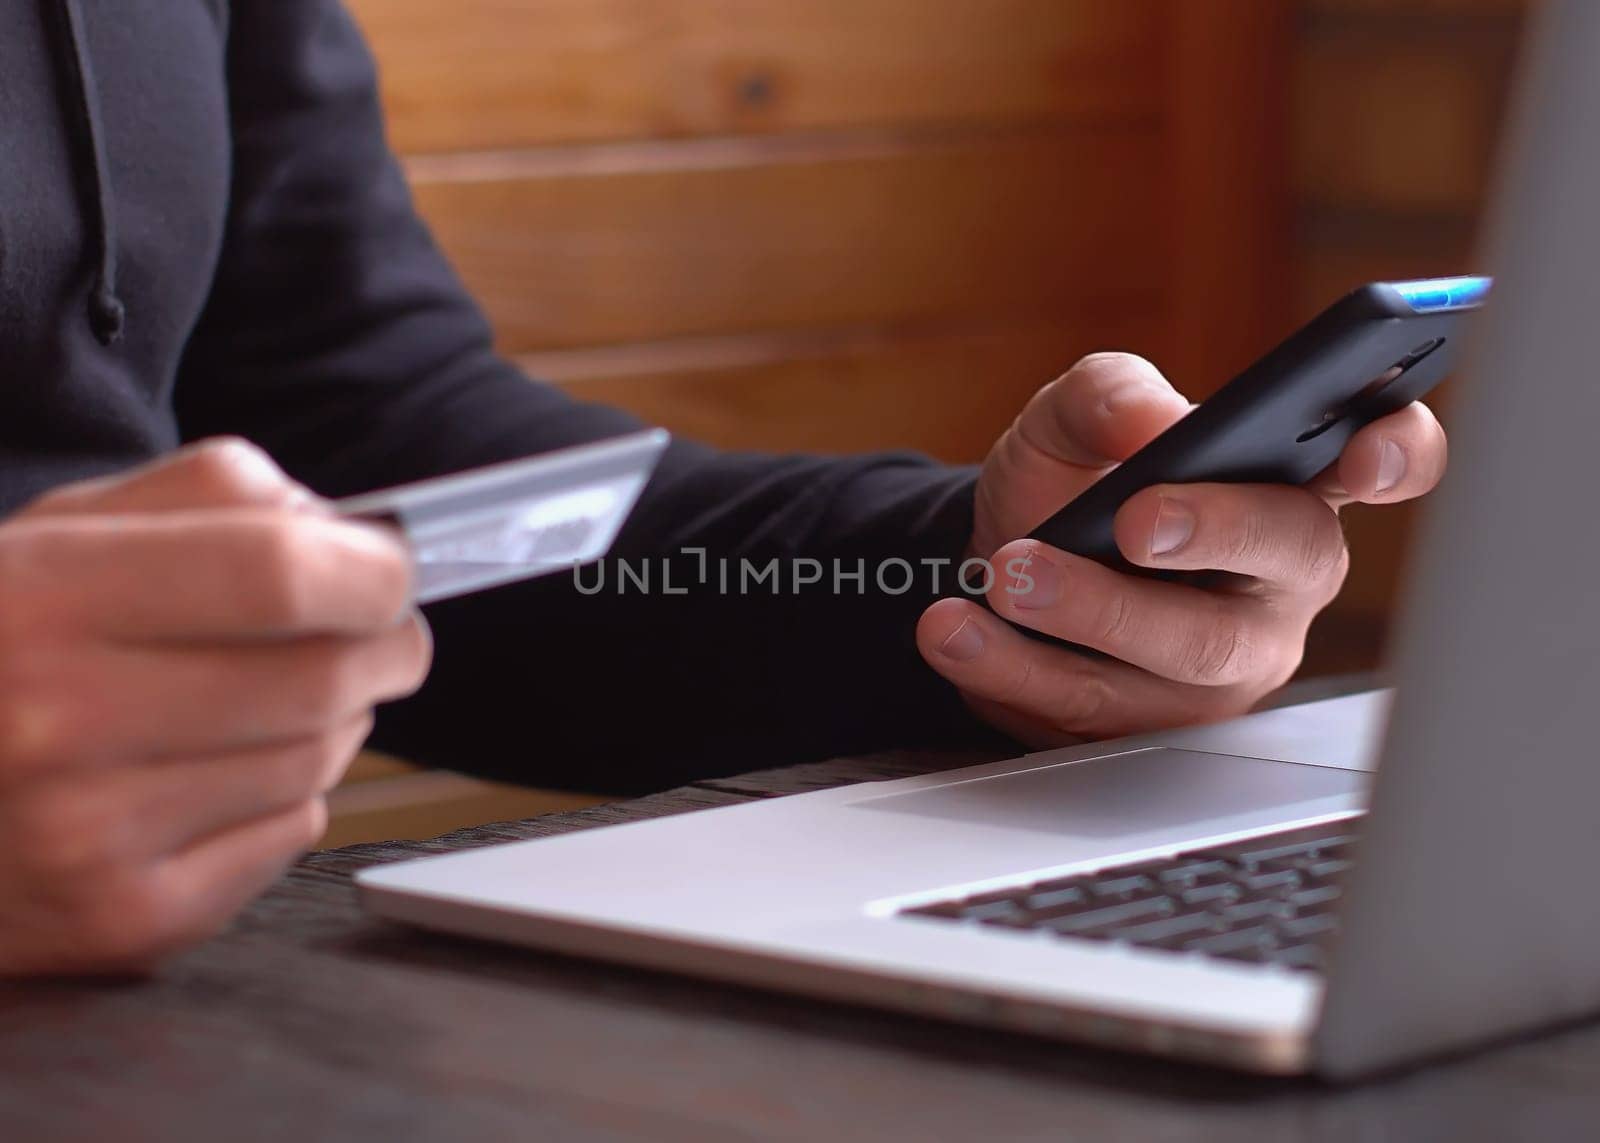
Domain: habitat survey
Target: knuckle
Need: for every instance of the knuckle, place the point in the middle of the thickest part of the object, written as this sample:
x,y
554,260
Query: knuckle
x,y
1223,651
232,468
1252,540
1113,619
1322,554
1018,684
1329,572
216,466
1085,704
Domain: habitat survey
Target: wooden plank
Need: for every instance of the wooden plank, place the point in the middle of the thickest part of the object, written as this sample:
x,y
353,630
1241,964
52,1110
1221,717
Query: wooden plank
x,y
429,803
777,235
1386,123
1229,200
949,394
1389,9
498,74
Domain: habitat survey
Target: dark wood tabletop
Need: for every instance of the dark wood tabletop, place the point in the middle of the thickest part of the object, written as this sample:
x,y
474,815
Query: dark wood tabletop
x,y
309,1021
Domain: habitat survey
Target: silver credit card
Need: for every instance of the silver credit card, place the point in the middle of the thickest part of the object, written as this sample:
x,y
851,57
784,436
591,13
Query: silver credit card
x,y
525,518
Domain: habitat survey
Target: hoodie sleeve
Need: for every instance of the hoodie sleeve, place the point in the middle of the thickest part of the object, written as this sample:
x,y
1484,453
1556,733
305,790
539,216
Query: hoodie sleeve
x,y
338,337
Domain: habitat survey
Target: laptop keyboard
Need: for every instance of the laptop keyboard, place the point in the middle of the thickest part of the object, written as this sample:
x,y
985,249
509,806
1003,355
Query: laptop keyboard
x,y
1267,900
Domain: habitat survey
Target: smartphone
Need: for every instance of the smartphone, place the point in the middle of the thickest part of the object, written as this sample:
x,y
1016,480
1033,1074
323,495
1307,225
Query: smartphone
x,y
1289,416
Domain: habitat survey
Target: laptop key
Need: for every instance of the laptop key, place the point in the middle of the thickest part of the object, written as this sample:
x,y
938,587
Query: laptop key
x,y
1194,871
1219,891
1035,918
1268,899
1269,879
1121,885
1165,930
991,910
1300,957
1111,916
1258,937
1312,925
1328,867
1069,895
1254,910
1313,895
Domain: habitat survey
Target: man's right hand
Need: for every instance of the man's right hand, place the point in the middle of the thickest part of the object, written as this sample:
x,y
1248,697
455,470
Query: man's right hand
x,y
189,658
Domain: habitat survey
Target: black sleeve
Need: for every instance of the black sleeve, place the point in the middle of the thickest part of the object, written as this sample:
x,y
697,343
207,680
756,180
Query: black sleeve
x,y
338,337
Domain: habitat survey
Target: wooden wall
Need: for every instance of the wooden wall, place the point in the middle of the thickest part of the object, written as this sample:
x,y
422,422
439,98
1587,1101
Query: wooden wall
x,y
1397,109
842,224
852,224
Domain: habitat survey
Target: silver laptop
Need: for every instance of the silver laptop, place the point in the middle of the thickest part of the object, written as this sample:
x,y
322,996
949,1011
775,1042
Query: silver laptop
x,y
1056,893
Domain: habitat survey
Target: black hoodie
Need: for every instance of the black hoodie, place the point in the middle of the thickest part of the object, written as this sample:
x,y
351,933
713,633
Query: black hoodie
x,y
203,231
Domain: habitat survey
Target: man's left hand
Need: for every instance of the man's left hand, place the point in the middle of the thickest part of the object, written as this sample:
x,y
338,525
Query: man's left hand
x,y
1178,653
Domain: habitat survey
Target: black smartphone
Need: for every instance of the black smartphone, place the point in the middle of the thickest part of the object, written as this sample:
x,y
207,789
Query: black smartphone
x,y
1289,416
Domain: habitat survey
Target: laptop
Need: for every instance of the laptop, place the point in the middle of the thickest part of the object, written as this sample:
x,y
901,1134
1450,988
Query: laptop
x,y
1340,887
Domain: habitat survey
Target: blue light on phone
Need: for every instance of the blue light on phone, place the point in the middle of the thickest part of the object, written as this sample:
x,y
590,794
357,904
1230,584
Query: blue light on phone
x,y
1431,295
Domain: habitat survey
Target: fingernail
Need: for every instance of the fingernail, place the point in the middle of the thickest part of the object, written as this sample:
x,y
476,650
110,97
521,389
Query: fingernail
x,y
1035,583
1174,526
1391,465
963,644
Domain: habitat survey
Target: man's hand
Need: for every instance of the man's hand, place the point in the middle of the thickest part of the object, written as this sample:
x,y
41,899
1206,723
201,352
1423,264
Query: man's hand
x,y
189,657
1180,653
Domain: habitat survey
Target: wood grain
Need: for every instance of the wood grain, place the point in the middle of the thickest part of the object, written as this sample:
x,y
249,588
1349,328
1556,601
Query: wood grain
x,y
785,238
946,392
1229,207
1398,107
493,74
1398,125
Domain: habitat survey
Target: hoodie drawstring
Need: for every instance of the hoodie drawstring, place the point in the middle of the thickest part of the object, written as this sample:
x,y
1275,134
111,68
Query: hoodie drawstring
x,y
107,315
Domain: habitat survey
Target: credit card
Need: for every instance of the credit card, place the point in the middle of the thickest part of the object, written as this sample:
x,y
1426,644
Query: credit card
x,y
524,518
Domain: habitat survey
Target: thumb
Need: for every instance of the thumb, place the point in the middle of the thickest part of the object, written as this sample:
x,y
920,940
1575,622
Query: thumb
x,y
1101,411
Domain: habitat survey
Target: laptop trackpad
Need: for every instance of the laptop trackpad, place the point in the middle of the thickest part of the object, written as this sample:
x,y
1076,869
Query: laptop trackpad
x,y
1150,791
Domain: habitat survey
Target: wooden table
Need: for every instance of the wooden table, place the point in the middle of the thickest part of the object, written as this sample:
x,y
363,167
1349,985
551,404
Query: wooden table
x,y
309,1021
